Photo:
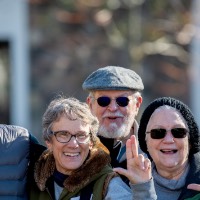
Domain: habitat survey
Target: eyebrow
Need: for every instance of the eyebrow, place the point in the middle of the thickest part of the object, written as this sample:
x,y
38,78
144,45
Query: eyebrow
x,y
70,132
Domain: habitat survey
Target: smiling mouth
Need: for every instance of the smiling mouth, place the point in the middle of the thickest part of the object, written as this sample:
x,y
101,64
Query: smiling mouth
x,y
71,154
113,118
172,151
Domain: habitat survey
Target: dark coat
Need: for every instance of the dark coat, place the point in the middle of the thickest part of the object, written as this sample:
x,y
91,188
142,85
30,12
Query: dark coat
x,y
19,150
192,177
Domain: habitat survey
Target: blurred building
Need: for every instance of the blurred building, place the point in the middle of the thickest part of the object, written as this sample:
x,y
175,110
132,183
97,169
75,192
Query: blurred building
x,y
49,47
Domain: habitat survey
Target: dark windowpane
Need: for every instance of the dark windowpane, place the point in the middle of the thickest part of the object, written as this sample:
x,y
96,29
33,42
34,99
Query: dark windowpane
x,y
4,82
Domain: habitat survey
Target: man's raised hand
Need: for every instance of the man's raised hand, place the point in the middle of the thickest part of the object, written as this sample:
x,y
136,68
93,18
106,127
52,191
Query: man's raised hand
x,y
138,167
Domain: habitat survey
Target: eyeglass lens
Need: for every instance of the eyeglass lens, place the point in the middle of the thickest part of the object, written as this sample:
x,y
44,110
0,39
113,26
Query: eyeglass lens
x,y
161,133
65,137
105,101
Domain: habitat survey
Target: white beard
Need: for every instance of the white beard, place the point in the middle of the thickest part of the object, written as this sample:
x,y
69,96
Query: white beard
x,y
113,131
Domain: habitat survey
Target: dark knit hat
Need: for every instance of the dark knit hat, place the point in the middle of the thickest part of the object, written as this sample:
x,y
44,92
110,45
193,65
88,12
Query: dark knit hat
x,y
113,78
194,138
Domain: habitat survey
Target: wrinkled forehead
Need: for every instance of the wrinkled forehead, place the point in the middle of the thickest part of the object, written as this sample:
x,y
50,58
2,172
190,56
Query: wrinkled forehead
x,y
163,110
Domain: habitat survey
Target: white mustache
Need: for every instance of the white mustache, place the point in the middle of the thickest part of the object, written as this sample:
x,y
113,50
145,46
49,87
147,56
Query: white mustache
x,y
117,114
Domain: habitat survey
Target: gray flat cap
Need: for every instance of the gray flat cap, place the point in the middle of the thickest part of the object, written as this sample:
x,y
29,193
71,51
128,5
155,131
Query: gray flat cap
x,y
113,78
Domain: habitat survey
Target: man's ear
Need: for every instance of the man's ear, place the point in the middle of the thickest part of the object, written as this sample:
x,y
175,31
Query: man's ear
x,y
89,101
138,103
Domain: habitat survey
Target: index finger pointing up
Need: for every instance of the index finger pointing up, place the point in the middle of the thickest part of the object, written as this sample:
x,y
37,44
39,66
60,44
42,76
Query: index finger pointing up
x,y
134,146
131,148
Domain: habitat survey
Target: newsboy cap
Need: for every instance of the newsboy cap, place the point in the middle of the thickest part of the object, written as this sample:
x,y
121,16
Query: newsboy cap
x,y
113,78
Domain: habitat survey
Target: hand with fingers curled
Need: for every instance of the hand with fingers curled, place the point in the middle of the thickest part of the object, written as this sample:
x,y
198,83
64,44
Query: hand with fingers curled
x,y
138,167
194,186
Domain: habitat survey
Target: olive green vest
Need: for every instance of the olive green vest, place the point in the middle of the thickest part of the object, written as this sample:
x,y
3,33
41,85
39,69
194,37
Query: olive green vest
x,y
98,188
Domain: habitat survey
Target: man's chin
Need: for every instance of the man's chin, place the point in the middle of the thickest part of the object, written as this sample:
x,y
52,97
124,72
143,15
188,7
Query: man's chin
x,y
110,135
114,132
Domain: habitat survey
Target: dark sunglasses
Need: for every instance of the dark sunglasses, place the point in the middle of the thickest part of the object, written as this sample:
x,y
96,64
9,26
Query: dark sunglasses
x,y
161,133
105,101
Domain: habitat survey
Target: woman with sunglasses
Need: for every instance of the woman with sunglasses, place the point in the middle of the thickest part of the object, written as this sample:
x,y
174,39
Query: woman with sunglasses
x,y
169,135
76,164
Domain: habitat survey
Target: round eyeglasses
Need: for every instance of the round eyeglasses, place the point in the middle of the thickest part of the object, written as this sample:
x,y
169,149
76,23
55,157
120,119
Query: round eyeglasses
x,y
65,137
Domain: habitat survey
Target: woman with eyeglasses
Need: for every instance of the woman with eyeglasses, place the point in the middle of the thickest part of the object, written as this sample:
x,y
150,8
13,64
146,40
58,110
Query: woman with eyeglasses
x,y
76,164
169,135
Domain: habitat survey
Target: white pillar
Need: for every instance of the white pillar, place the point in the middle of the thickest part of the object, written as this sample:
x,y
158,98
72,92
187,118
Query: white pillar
x,y
14,29
195,62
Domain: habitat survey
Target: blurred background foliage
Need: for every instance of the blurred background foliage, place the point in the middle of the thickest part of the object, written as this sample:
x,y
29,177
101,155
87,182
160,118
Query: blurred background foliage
x,y
72,38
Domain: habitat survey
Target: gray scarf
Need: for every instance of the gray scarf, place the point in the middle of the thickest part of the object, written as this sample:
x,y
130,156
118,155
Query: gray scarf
x,y
167,188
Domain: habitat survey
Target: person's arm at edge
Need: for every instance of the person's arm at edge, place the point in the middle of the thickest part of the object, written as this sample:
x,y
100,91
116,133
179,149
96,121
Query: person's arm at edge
x,y
117,189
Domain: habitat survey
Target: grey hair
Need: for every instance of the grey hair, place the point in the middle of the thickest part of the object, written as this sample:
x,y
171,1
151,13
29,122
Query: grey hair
x,y
73,109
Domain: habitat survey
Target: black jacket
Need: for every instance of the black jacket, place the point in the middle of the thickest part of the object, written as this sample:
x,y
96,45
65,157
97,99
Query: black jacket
x,y
192,177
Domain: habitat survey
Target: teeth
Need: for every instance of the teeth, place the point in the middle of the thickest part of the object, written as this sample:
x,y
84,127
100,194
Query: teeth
x,y
71,154
169,151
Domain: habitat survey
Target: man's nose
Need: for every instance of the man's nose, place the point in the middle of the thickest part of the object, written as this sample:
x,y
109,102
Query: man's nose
x,y
113,105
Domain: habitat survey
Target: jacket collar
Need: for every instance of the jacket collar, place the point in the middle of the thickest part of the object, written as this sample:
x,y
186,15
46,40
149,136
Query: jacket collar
x,y
79,178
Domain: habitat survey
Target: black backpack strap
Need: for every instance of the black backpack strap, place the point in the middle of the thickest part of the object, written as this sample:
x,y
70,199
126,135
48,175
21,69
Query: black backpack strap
x,y
87,191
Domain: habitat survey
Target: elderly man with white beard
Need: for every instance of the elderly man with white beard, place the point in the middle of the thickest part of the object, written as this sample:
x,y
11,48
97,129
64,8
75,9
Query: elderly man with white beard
x,y
115,98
